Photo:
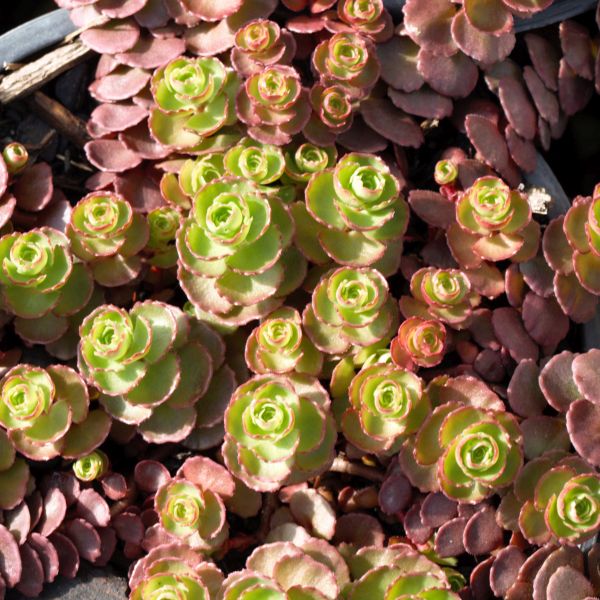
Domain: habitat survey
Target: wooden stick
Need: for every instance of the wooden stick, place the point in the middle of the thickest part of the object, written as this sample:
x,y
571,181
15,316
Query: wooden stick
x,y
37,73
58,117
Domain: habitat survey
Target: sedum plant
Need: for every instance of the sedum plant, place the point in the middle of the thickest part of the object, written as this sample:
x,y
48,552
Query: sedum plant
x,y
367,17
193,515
310,569
279,345
193,100
233,249
46,413
355,215
278,431
273,104
420,343
304,160
150,365
559,498
398,571
106,233
163,224
385,405
493,223
261,43
261,163
92,466
174,571
443,294
347,60
15,157
350,308
469,444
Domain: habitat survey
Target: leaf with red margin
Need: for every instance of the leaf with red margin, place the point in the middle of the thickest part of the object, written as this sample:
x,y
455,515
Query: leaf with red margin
x,y
111,155
455,76
557,383
114,37
428,24
509,329
579,304
544,320
524,394
34,188
384,118
398,59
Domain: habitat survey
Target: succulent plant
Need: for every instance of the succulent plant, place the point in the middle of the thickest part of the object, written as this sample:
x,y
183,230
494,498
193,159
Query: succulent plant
x,y
174,570
559,499
236,235
163,223
274,105
369,18
350,308
354,215
347,60
278,431
194,99
443,294
108,235
333,110
385,405
398,570
310,569
15,157
150,366
261,163
493,223
92,466
469,444
279,345
194,515
445,172
46,413
302,161
419,343
261,43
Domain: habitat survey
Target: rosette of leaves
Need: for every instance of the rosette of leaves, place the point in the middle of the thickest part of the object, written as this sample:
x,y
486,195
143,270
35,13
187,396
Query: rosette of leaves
x,y
350,308
419,343
333,110
163,224
442,294
108,235
174,571
572,247
398,571
559,499
310,569
304,160
46,413
179,189
353,214
193,100
232,251
274,105
385,405
261,43
92,466
367,17
445,172
468,447
194,515
261,163
150,365
493,223
15,157
279,345
278,431
347,60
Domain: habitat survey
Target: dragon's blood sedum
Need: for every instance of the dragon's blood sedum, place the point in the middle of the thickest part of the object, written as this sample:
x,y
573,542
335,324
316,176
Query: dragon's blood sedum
x,y
419,343
15,156
92,466
347,60
278,430
174,571
150,366
368,17
106,233
356,215
469,444
493,223
233,248
385,405
279,345
163,223
273,104
194,99
310,569
259,44
303,160
261,163
443,294
350,308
